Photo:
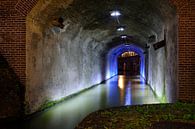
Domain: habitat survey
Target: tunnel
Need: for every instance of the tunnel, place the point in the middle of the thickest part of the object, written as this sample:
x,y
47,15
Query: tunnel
x,y
129,63
114,53
74,45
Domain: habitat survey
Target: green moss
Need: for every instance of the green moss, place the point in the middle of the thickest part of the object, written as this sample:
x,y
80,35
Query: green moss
x,y
26,107
47,104
140,117
163,98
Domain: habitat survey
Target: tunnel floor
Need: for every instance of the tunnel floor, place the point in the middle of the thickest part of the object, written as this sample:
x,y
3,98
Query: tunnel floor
x,y
117,91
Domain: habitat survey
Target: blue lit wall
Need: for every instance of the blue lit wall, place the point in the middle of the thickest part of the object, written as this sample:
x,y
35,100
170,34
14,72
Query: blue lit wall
x,y
112,61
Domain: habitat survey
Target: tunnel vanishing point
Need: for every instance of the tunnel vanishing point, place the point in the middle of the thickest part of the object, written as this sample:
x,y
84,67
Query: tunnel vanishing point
x,y
51,49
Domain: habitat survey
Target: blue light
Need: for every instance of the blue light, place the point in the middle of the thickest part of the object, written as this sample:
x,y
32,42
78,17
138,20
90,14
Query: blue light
x,y
112,61
128,97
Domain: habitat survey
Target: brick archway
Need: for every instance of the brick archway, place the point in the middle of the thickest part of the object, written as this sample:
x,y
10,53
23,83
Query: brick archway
x,y
25,6
13,40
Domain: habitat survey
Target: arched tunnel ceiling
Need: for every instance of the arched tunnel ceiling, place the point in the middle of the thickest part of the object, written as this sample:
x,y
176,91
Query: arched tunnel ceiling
x,y
142,18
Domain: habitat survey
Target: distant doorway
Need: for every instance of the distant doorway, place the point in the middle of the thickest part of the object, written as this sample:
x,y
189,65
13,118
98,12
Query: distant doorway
x,y
129,64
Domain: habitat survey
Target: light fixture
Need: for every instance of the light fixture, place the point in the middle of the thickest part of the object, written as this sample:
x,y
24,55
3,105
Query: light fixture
x,y
115,13
123,36
120,28
127,44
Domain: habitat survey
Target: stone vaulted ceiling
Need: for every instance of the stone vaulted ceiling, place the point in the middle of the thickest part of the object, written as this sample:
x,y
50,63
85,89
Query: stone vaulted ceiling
x,y
142,18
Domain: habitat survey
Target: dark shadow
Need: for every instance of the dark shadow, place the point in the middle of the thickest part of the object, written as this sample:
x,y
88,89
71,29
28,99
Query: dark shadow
x,y
11,93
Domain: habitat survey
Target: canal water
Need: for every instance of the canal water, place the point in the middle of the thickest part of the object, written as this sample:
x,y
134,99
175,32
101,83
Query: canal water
x,y
118,91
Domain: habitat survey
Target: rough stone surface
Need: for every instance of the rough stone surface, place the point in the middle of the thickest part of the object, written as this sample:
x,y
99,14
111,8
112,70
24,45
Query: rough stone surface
x,y
61,62
162,74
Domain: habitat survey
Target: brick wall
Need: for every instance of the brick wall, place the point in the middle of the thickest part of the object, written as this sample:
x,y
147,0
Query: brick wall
x,y
13,33
186,66
13,39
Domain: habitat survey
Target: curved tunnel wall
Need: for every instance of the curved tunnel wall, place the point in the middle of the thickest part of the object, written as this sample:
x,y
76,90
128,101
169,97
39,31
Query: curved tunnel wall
x,y
61,62
112,61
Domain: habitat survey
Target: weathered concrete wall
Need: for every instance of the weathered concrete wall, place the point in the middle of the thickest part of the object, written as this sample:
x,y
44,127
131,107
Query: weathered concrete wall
x,y
162,74
172,59
61,62
156,72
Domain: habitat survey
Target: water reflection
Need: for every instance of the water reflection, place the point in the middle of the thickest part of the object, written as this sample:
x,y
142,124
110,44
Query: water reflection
x,y
118,91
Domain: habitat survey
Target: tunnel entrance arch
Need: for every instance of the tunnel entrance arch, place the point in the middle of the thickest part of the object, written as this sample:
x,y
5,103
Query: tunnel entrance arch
x,y
129,64
114,53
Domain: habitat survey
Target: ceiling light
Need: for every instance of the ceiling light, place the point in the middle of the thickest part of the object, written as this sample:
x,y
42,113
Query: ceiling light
x,y
127,44
115,13
123,36
120,28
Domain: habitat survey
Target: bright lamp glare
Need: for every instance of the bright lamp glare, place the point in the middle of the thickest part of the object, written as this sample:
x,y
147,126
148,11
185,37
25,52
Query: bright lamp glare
x,y
115,13
123,36
120,29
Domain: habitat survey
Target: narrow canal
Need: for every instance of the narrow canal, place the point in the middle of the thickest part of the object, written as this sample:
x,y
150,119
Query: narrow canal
x,y
118,91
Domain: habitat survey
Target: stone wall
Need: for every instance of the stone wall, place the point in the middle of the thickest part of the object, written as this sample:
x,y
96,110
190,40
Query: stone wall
x,y
171,57
61,62
162,67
